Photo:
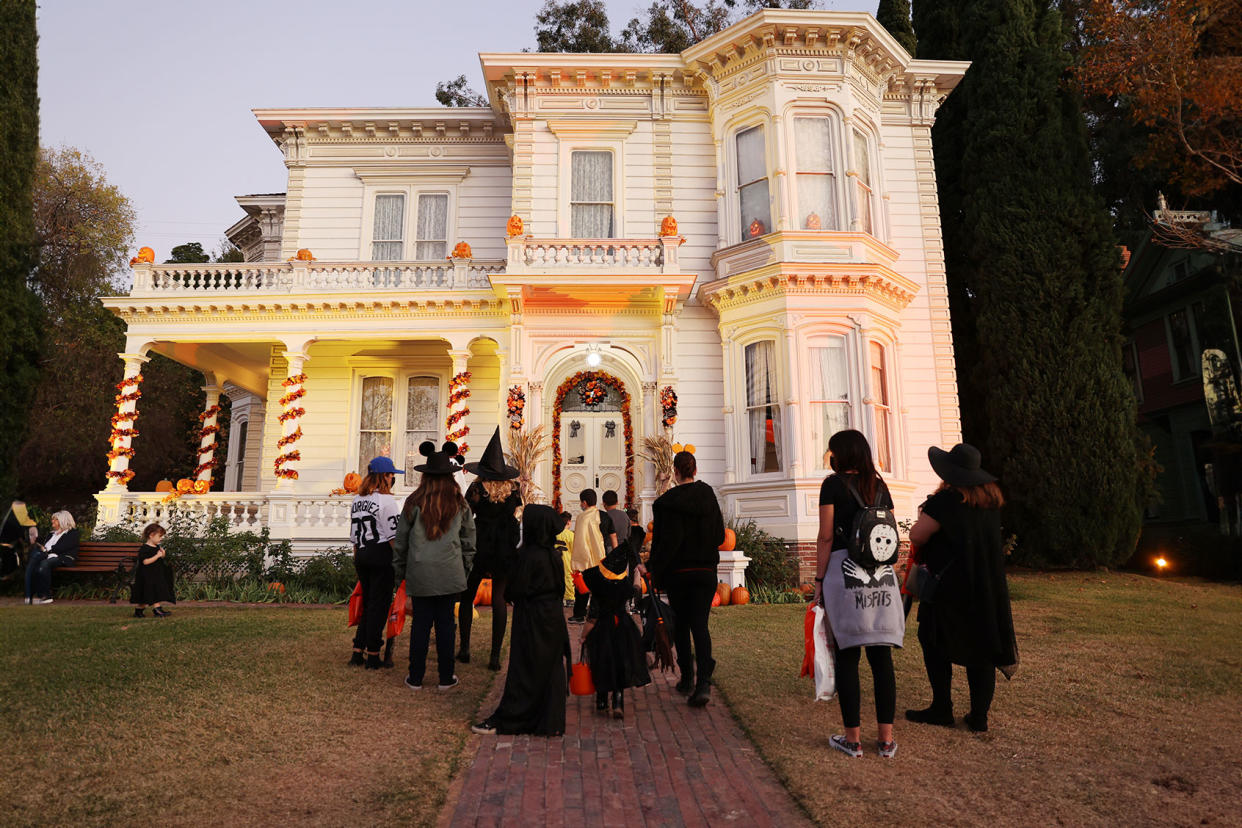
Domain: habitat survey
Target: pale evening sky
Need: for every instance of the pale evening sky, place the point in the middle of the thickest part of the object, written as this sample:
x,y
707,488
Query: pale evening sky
x,y
160,91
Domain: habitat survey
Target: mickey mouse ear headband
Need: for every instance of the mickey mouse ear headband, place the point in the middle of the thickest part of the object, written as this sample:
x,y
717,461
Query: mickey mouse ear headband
x,y
438,462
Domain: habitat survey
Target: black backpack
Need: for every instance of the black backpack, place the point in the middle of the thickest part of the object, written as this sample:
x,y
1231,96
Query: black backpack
x,y
873,541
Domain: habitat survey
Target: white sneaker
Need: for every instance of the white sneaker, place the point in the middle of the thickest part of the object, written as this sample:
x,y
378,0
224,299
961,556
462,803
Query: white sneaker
x,y
412,686
853,749
45,600
28,601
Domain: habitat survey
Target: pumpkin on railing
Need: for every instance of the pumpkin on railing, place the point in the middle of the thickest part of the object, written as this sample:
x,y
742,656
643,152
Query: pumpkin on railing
x,y
145,256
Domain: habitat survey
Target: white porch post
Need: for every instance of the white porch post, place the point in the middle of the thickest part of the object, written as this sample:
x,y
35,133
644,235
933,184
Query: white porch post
x,y
456,429
208,439
119,474
291,420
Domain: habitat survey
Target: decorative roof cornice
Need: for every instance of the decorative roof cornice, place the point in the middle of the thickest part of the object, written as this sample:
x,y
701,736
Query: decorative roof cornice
x,y
874,281
474,303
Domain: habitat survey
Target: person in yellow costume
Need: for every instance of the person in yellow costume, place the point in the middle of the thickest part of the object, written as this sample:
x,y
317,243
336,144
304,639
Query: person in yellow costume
x,y
565,545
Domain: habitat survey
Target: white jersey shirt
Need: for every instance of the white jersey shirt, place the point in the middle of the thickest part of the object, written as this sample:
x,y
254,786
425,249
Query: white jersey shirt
x,y
373,519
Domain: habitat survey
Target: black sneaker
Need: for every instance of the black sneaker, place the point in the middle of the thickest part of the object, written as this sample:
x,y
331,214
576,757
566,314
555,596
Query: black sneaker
x,y
374,662
463,656
685,686
140,613
412,685
932,716
484,728
451,684
159,612
976,724
577,619
356,660
494,665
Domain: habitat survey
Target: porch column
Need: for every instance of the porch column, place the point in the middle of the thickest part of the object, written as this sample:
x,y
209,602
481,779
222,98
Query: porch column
x,y
534,407
455,427
291,419
123,432
208,441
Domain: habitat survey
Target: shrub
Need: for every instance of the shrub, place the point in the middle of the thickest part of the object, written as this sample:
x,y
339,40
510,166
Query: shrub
x,y
771,563
331,572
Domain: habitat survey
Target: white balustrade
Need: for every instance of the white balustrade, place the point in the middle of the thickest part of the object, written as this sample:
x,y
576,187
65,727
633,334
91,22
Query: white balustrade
x,y
242,510
540,255
309,277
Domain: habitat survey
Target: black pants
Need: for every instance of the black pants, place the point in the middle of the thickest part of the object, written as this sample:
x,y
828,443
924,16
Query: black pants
x,y
429,611
582,602
500,612
883,679
980,677
690,598
377,583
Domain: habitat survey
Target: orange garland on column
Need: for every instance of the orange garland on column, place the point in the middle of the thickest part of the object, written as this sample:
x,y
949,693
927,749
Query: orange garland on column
x,y
123,427
454,424
290,455
210,448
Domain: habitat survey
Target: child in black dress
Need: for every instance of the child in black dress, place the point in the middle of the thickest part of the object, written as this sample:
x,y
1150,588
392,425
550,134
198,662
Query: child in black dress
x,y
153,577
611,640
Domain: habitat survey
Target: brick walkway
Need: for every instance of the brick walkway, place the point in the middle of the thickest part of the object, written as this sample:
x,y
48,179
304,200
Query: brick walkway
x,y
664,764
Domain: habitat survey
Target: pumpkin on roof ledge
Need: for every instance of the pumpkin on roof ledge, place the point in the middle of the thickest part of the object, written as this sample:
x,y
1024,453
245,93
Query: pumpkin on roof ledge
x,y
145,256
462,251
668,226
514,226
303,255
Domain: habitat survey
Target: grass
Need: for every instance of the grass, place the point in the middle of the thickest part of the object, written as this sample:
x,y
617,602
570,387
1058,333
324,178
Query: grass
x,y
1127,709
234,716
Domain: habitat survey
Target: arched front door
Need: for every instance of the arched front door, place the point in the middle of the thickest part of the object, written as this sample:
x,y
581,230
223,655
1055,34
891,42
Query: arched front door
x,y
593,437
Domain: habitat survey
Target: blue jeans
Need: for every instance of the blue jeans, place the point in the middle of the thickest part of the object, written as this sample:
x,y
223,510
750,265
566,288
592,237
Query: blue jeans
x,y
39,572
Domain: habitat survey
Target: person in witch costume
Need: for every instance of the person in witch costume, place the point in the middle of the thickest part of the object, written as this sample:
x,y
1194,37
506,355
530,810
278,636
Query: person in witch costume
x,y
537,681
495,501
967,620
432,553
610,639
153,577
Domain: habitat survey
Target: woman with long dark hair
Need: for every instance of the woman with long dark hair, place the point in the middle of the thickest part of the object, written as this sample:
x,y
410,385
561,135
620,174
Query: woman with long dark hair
x,y
535,686
967,621
434,549
373,518
863,606
495,502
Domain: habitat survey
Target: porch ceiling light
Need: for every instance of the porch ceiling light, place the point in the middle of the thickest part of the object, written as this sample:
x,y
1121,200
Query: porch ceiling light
x,y
593,359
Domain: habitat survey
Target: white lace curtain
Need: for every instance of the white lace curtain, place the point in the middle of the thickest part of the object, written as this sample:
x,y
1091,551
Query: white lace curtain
x,y
431,235
375,424
387,236
752,181
763,410
816,176
832,390
591,202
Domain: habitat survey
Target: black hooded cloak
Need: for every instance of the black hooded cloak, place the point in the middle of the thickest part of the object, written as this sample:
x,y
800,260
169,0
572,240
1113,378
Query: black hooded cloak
x,y
614,646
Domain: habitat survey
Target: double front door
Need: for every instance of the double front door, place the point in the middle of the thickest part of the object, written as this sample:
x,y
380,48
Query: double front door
x,y
592,452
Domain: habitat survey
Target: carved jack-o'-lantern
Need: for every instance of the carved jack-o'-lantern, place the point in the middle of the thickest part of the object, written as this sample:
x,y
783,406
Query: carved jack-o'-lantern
x,y
514,227
145,256
813,222
668,227
462,251
202,486
757,229
352,481
303,255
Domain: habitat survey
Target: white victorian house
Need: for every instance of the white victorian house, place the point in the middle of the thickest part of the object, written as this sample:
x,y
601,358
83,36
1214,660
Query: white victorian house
x,y
526,244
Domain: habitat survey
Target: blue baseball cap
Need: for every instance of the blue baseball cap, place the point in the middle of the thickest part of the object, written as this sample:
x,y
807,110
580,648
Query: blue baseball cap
x,y
383,465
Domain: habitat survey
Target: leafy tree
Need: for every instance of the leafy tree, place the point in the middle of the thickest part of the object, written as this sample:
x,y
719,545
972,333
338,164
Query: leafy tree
x,y
20,314
573,26
228,252
458,92
894,15
188,253
1035,283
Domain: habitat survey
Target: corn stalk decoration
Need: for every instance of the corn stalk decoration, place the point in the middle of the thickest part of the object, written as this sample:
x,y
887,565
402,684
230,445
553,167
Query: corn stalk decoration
x,y
526,451
659,452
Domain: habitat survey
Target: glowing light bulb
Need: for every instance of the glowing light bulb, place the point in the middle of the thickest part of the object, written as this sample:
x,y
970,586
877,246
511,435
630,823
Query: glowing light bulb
x,y
593,360
1161,563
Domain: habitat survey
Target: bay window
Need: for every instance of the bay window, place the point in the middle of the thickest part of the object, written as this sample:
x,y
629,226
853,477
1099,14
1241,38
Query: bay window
x,y
752,183
763,411
816,179
830,391
590,195
862,167
388,233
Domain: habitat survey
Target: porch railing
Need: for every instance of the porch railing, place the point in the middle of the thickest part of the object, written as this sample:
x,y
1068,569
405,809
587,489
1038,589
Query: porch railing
x,y
529,254
303,277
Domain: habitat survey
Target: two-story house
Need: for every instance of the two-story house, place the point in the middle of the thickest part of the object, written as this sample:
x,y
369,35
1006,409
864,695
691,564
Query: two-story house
x,y
752,224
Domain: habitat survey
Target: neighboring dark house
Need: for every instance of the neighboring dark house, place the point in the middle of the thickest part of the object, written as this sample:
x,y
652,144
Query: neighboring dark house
x,y
1180,303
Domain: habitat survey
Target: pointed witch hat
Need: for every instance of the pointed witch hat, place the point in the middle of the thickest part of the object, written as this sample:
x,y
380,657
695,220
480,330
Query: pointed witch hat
x,y
493,465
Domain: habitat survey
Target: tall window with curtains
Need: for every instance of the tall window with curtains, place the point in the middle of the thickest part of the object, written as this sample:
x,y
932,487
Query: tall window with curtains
x,y
387,236
752,183
239,468
880,404
590,195
375,425
830,392
763,411
431,234
862,166
422,409
816,178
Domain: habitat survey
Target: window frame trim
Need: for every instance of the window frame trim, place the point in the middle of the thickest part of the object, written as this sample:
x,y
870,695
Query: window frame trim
x,y
567,146
411,189
836,142
742,421
400,373
733,204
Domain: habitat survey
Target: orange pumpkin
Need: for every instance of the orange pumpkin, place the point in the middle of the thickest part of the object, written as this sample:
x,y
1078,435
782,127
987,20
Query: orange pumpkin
x,y
813,221
462,251
303,255
730,541
740,595
202,486
757,229
276,586
352,481
723,592
668,226
185,485
514,227
484,593
164,486
145,256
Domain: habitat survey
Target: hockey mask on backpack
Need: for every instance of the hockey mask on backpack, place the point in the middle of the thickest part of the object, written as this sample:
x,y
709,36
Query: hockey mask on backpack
x,y
873,542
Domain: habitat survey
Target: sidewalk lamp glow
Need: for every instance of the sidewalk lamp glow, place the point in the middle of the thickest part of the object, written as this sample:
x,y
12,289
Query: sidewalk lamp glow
x,y
1161,564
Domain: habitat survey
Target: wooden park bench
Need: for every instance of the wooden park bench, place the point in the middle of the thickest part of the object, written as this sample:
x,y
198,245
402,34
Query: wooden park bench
x,y
98,557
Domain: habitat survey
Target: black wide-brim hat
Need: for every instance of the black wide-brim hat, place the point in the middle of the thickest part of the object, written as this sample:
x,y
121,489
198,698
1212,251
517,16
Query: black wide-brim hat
x,y
492,466
438,462
611,579
959,466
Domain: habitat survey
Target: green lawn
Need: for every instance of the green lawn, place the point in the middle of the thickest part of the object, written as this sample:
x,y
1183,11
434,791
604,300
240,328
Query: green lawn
x,y
228,716
1127,710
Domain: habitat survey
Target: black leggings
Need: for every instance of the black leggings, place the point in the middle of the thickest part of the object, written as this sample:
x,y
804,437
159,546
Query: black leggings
x,y
980,677
881,660
500,612
690,599
376,584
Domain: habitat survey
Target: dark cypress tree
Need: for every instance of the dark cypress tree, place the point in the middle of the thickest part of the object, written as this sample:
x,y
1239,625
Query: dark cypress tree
x,y
894,15
1036,284
20,312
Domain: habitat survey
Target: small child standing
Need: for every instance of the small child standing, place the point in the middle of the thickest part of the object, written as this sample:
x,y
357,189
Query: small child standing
x,y
565,545
153,577
610,639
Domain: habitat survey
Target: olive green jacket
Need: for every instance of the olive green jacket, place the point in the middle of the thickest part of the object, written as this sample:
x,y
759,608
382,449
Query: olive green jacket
x,y
433,567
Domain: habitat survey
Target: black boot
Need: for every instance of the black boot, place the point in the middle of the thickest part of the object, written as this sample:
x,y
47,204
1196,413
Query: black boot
x,y
702,693
356,660
942,716
686,685
618,704
139,613
601,702
388,653
373,661
463,656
